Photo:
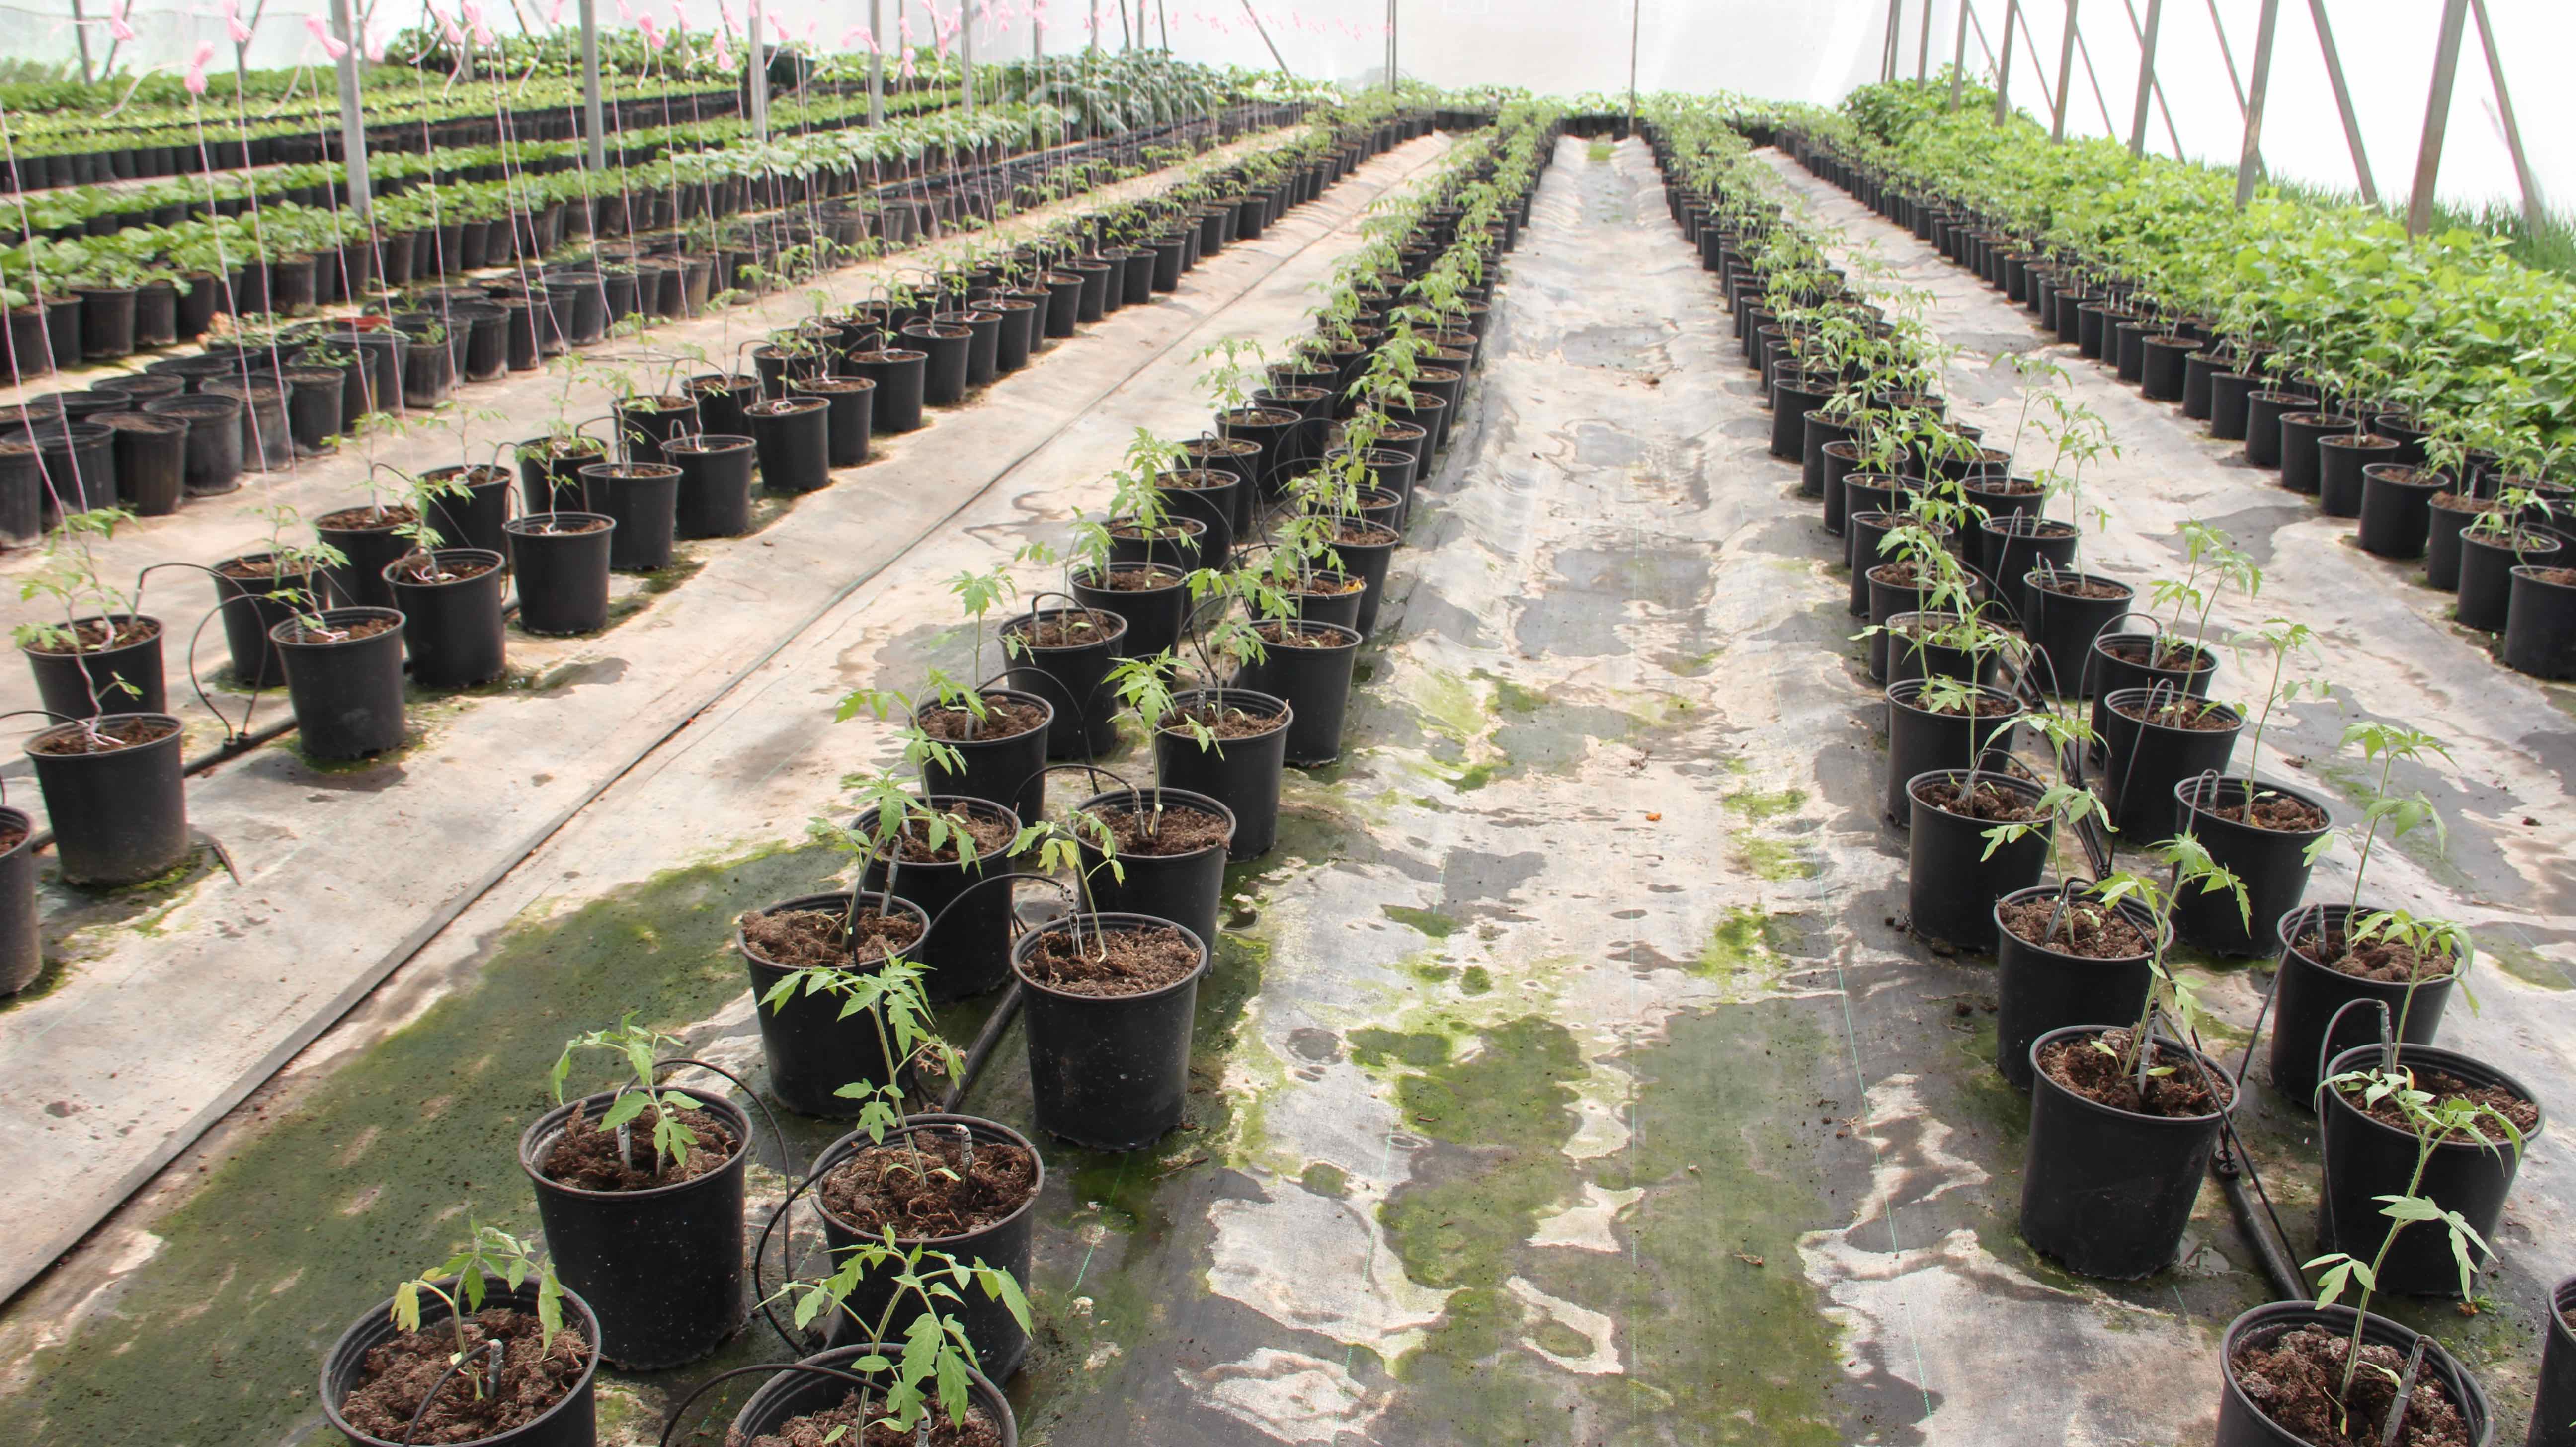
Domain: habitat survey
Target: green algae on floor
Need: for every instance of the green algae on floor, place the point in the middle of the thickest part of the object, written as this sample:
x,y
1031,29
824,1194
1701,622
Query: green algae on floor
x,y
1775,860
1758,807
1426,921
369,1176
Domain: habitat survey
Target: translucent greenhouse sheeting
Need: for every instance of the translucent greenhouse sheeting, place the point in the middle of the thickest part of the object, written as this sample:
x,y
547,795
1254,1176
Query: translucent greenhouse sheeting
x,y
1792,50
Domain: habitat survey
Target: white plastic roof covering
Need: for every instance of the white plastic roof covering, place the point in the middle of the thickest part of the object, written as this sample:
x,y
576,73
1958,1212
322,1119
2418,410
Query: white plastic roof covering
x,y
1811,50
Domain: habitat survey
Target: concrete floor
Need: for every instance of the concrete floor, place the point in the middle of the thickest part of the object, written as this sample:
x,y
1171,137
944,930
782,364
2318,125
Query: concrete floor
x,y
1563,1078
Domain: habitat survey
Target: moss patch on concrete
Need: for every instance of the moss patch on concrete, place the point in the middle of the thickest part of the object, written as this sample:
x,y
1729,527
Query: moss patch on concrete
x,y
1427,921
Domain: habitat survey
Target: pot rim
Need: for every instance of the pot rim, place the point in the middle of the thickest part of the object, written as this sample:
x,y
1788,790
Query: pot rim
x,y
2217,1071
2143,692
548,1124
809,901
1035,615
384,1311
2128,909
2186,793
1204,803
2031,787
1123,920
444,556
2449,1063
2376,1330
276,634
177,733
521,526
1014,695
953,804
825,1161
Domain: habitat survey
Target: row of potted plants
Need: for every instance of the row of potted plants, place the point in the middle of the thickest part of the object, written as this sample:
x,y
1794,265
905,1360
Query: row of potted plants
x,y
2095,1019
927,1217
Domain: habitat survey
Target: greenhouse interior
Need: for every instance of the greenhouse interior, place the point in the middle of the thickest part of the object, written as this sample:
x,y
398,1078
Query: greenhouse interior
x,y
1866,709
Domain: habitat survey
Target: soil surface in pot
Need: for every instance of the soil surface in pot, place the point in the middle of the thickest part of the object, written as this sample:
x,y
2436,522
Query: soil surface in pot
x,y
2380,959
2563,577
1359,534
2183,713
586,1158
2085,590
2444,1089
2294,1381
1139,530
1003,718
1228,722
1181,830
2277,811
1280,635
11,836
348,632
1979,704
426,570
842,1427
1070,629
107,736
798,938
2172,657
2454,502
1114,962
535,1375
97,635
2084,929
263,566
924,1187
1322,586
565,530
2085,1066
1990,803
366,519
2012,487
1134,580
1906,574
992,838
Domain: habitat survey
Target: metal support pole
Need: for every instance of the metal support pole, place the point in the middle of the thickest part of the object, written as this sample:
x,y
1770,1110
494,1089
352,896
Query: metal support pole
x,y
756,74
1635,10
1889,44
2065,77
2256,84
1959,57
1095,24
2532,214
1394,44
2172,137
1923,45
1264,32
1163,23
2093,78
2343,99
876,61
2437,117
593,126
2003,63
353,123
2146,78
966,52
2227,53
80,32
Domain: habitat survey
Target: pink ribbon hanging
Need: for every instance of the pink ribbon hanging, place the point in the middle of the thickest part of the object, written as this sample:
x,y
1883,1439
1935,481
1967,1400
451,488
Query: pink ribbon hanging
x,y
331,45
195,80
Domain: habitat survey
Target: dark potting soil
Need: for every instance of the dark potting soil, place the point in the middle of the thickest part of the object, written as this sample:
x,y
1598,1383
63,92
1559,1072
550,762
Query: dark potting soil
x,y
349,632
2294,1379
107,736
535,1374
2278,811
98,635
2084,929
2563,577
425,570
1196,479
2191,715
921,1185
2455,502
801,938
1139,530
842,1427
2445,1088
11,836
263,566
1904,574
1003,718
992,838
2381,959
586,1157
1280,635
1362,534
1982,705
1180,830
1330,587
1136,580
566,529
1990,803
1228,722
1119,962
2084,590
366,519
2005,487
1069,629
2082,1066
2172,657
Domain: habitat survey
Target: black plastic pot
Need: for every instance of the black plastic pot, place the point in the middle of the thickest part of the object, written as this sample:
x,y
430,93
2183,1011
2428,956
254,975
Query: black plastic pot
x,y
1072,678
795,443
902,378
2306,996
968,950
256,663
1954,876
2146,761
2487,565
1243,774
1919,742
2271,864
2263,413
2108,1192
2442,544
120,816
2302,461
313,408
151,460
642,498
1370,562
2553,1405
473,520
2243,1424
814,1049
661,1268
850,412
452,629
644,423
2039,989
1183,888
1108,1072
1154,615
22,937
550,471
126,679
562,576
347,693
2367,1162
2396,509
713,496
570,1422
2228,393
790,1394
999,1341
2340,460
368,547
2108,673
214,456
1211,504
1315,683
2540,625
1005,770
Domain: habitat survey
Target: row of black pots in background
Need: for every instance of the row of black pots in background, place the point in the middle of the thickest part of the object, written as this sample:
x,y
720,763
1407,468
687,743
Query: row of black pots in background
x,y
2356,459
2083,1153
660,1273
